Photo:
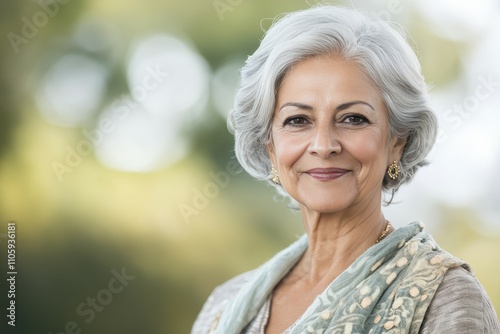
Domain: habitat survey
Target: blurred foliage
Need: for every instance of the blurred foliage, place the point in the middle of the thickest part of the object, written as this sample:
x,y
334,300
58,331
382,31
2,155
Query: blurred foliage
x,y
72,234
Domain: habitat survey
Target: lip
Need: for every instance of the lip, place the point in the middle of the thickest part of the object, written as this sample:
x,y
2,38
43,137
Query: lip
x,y
326,174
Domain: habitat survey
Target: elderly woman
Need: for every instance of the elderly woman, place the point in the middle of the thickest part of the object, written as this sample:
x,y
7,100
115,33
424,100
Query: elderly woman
x,y
333,111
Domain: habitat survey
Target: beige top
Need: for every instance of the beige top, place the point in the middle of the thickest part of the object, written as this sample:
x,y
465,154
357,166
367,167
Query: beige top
x,y
460,306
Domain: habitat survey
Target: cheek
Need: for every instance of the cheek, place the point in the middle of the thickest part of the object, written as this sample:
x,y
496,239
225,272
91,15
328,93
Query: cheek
x,y
289,148
370,150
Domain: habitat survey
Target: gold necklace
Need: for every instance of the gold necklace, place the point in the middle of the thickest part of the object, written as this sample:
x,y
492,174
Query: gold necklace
x,y
384,233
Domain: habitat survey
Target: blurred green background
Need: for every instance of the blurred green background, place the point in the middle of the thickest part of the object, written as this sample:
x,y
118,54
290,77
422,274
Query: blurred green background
x,y
115,157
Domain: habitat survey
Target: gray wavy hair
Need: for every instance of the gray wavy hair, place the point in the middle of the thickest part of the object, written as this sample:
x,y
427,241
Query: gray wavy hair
x,y
381,52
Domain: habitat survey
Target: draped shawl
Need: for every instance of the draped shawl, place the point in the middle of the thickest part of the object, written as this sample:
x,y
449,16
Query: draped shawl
x,y
386,290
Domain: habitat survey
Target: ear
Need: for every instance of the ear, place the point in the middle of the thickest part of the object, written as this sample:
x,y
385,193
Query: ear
x,y
271,151
397,147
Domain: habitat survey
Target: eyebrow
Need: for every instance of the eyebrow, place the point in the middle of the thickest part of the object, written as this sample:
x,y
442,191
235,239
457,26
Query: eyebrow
x,y
297,105
340,107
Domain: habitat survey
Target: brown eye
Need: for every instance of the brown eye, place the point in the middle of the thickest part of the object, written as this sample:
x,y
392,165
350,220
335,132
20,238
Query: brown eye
x,y
355,120
296,121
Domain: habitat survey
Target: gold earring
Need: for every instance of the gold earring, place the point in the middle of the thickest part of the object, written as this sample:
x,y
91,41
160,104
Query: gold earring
x,y
275,178
393,170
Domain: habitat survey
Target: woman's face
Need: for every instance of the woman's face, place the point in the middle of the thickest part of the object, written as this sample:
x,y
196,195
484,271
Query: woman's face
x,y
330,135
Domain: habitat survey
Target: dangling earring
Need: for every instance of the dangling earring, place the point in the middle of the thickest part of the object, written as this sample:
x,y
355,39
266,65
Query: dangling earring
x,y
275,178
393,170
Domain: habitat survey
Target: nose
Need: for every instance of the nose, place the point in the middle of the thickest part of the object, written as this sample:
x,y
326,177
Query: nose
x,y
324,141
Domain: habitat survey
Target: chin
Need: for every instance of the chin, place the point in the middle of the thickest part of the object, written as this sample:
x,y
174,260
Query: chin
x,y
326,201
327,207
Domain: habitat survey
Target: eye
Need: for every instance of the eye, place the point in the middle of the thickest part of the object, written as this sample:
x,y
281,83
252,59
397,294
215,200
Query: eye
x,y
296,121
354,120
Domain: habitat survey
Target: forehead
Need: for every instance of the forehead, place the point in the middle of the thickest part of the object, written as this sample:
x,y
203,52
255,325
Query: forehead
x,y
329,76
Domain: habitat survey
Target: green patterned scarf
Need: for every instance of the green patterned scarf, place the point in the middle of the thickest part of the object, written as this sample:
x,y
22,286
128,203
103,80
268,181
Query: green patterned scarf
x,y
386,290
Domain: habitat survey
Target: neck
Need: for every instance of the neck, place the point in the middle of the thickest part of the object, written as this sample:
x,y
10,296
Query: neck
x,y
336,240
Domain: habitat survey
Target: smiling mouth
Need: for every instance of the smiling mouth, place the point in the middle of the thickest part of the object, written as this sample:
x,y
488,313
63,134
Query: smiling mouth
x,y
326,174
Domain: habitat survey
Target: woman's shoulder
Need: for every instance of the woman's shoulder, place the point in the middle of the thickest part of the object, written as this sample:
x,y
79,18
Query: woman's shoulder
x,y
460,305
233,285
217,300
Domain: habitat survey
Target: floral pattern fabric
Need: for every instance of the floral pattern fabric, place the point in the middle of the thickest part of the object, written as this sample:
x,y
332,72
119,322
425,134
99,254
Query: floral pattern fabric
x,y
386,290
